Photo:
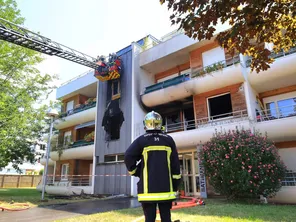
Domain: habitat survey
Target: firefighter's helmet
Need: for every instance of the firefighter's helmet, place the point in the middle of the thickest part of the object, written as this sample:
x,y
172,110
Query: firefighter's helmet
x,y
153,121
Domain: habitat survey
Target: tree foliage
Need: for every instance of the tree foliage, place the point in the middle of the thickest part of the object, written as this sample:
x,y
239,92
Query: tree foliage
x,y
22,86
242,164
253,23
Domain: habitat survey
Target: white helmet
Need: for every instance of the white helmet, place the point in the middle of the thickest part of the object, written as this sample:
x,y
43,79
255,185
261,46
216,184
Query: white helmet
x,y
153,121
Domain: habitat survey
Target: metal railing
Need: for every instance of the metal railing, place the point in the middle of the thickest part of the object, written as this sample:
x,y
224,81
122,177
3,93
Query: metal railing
x,y
81,108
211,121
290,179
171,35
215,66
275,55
276,113
77,180
75,144
69,180
170,82
200,72
77,77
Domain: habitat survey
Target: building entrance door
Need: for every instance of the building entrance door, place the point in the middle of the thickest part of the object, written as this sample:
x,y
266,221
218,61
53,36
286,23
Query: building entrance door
x,y
189,171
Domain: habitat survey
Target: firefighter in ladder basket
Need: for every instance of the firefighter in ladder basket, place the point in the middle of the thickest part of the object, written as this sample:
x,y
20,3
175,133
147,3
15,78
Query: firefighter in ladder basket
x,y
153,158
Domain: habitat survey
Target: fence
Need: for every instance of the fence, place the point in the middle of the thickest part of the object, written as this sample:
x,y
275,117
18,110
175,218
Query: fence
x,y
17,181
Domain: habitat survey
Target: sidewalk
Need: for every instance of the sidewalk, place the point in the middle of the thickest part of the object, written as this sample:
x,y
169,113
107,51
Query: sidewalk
x,y
51,213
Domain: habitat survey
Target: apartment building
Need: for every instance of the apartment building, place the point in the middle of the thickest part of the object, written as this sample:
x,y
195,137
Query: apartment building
x,y
72,143
198,88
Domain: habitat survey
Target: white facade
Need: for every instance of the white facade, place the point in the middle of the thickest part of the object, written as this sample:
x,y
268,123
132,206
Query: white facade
x,y
279,124
175,51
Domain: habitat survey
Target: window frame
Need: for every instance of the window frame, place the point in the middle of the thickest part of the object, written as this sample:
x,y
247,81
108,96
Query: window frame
x,y
116,158
73,105
117,95
65,176
208,107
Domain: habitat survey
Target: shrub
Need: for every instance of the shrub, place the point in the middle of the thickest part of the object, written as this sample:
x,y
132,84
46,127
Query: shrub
x,y
242,164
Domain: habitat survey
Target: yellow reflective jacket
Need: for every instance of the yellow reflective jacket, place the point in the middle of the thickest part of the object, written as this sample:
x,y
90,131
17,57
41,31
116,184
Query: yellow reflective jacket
x,y
159,168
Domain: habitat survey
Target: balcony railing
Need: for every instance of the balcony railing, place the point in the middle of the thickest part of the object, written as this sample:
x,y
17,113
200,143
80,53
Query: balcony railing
x,y
81,108
216,66
170,82
273,55
78,143
290,179
280,113
222,119
69,180
185,77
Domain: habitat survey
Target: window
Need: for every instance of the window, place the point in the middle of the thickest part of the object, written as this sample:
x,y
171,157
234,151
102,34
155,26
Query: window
x,y
287,107
115,89
212,56
173,121
114,158
65,171
108,158
271,109
67,137
281,108
220,106
70,105
120,157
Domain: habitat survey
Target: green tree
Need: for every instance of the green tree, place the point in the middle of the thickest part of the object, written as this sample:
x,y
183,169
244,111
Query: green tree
x,y
22,86
253,23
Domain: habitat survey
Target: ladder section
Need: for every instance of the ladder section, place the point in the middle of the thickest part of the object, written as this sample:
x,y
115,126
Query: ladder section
x,y
20,36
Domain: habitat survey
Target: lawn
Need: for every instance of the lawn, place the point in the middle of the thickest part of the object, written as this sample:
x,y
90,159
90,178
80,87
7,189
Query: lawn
x,y
30,196
215,210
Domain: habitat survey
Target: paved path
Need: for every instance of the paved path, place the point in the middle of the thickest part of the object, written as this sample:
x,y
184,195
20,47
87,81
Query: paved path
x,y
46,214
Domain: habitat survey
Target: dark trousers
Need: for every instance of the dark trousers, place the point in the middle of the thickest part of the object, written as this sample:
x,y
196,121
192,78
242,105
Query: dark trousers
x,y
150,211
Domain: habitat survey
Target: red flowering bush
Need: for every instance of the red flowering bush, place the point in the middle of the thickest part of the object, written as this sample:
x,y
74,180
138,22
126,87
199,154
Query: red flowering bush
x,y
242,164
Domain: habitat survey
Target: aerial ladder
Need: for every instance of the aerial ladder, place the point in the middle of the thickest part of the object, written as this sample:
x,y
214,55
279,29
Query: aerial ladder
x,y
104,70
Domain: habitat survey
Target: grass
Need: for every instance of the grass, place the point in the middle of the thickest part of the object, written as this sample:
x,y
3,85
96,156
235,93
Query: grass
x,y
30,196
214,210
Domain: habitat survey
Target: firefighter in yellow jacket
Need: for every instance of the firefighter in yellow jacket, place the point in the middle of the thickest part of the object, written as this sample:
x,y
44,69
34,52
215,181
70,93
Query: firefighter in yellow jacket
x,y
154,159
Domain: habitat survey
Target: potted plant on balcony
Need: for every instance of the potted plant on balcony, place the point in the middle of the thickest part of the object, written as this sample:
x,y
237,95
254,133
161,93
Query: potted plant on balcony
x,y
90,137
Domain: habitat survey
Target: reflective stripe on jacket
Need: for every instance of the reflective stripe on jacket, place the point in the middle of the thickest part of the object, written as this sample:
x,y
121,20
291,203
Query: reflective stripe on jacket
x,y
159,168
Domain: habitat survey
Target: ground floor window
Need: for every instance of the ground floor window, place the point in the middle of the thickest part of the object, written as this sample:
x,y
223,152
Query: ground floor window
x,y
65,171
114,158
190,173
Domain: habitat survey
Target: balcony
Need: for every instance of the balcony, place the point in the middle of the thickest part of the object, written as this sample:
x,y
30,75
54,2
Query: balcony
x,y
215,76
167,83
43,161
280,74
174,50
80,149
190,133
85,84
68,185
287,193
83,113
280,124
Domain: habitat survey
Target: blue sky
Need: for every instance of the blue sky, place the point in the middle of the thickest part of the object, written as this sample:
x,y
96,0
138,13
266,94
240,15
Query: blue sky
x,y
95,27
